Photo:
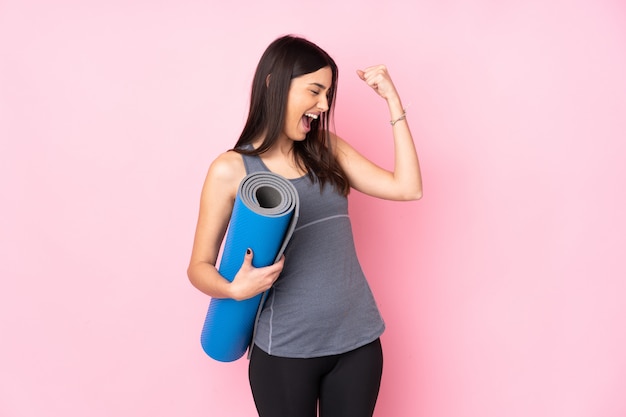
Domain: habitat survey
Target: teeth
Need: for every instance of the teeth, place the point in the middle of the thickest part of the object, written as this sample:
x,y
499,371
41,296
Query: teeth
x,y
312,116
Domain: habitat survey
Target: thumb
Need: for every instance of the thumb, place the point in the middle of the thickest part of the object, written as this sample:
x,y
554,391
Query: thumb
x,y
361,74
247,259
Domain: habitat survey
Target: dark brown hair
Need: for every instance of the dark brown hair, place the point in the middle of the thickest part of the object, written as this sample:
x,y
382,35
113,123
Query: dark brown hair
x,y
286,58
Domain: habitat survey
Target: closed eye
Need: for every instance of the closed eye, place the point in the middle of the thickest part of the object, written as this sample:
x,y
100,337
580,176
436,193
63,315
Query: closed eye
x,y
317,88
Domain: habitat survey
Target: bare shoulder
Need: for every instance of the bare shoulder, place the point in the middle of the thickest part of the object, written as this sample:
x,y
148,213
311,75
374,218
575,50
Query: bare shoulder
x,y
228,165
226,172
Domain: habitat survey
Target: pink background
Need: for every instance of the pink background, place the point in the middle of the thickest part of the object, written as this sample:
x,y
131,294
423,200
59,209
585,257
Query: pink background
x,y
502,288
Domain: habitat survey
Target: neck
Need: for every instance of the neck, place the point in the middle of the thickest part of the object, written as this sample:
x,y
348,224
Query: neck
x,y
281,158
283,147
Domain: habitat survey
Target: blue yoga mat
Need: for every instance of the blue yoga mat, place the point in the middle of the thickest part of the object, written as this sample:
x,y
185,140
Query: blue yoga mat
x,y
263,218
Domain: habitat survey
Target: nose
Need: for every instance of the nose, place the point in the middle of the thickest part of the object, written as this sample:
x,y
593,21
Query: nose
x,y
322,104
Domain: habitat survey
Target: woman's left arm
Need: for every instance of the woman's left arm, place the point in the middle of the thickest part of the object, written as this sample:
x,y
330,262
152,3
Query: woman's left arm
x,y
405,181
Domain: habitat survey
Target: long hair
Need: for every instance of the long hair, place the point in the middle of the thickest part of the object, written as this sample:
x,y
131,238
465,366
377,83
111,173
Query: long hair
x,y
286,58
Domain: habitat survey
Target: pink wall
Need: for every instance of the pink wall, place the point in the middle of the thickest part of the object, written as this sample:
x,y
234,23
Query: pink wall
x,y
502,289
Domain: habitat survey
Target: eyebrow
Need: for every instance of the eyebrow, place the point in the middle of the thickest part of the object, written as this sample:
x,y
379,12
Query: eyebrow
x,y
322,86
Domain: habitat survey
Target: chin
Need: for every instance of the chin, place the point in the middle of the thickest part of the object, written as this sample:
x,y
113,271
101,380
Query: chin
x,y
299,137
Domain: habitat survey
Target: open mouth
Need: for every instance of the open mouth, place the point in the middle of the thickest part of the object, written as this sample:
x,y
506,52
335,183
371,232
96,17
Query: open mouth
x,y
307,119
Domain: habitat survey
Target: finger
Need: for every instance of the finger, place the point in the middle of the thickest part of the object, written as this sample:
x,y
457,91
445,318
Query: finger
x,y
366,74
375,69
275,268
373,81
371,76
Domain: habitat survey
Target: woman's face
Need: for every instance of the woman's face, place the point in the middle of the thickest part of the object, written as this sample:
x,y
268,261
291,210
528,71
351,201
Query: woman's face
x,y
307,100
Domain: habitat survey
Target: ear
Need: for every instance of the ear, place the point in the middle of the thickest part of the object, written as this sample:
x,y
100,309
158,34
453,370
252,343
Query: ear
x,y
267,80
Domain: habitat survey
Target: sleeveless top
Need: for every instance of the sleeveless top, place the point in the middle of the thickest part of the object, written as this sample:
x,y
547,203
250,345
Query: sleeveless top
x,y
321,303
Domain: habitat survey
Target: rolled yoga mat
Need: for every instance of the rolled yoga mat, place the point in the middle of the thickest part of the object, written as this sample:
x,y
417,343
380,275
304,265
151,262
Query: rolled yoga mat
x,y
263,219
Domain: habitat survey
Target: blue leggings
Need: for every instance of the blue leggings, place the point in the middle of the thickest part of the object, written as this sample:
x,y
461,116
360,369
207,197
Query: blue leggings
x,y
345,385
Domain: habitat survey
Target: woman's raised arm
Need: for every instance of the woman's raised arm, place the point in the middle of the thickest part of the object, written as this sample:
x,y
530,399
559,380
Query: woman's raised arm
x,y
405,181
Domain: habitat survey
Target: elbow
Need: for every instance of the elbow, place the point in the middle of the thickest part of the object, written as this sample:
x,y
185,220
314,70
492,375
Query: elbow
x,y
417,191
410,190
412,195
191,276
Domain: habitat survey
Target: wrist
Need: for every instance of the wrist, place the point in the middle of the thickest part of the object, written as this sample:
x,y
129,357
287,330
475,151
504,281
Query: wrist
x,y
399,118
230,289
395,107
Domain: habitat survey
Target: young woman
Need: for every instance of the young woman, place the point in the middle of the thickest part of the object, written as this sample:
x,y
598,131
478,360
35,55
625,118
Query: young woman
x,y
317,341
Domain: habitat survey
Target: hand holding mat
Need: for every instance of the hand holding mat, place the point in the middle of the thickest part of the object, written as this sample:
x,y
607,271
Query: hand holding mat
x,y
263,219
